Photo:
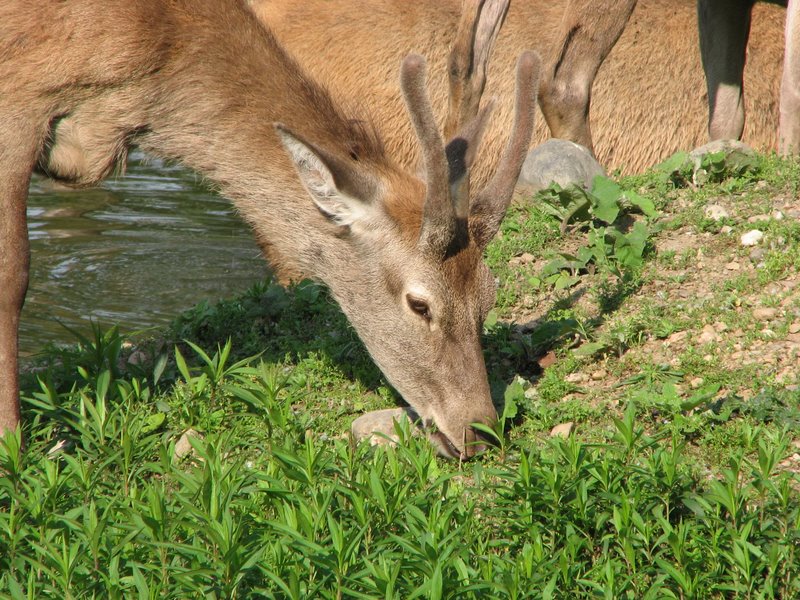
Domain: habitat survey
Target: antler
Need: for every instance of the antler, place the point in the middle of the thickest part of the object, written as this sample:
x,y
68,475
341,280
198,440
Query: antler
x,y
447,205
489,206
438,216
480,23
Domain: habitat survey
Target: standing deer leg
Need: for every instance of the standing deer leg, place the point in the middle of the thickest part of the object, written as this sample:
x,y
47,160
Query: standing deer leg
x,y
589,30
789,130
16,164
724,26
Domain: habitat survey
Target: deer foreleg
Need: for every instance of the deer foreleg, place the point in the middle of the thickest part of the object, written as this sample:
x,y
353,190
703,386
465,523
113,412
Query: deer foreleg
x,y
589,30
16,164
789,129
724,26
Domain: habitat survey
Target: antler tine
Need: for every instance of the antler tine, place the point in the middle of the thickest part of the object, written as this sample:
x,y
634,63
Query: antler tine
x,y
438,219
490,204
478,28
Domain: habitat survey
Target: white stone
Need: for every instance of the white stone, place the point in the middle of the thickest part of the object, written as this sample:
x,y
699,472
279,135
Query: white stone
x,y
752,237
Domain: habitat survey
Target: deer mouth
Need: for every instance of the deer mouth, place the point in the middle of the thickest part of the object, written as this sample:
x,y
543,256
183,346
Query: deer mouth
x,y
445,447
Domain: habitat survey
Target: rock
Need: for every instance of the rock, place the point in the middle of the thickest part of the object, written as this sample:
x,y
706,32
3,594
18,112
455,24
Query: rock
x,y
183,446
737,153
378,426
752,237
599,374
137,357
794,327
765,313
757,255
726,229
708,335
523,259
677,337
733,266
758,218
548,360
696,382
720,326
716,212
562,429
777,215
576,378
558,161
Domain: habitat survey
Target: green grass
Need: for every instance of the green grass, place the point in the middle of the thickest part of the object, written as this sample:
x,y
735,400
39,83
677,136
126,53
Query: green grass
x,y
680,481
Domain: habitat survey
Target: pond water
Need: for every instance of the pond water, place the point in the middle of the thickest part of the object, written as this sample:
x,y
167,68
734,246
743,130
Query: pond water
x,y
135,252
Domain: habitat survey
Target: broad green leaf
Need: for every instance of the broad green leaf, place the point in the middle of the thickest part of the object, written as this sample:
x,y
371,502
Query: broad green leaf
x,y
643,204
589,349
607,194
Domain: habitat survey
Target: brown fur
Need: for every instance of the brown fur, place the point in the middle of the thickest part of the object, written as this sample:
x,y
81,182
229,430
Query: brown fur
x,y
649,98
204,83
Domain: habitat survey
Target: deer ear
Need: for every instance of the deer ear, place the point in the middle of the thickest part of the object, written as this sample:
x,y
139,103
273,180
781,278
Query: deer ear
x,y
337,190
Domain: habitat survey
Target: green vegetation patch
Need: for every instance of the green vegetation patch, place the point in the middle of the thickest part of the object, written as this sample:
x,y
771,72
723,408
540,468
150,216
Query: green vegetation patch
x,y
212,459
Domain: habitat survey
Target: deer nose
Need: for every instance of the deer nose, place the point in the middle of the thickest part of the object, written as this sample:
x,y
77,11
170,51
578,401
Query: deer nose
x,y
476,442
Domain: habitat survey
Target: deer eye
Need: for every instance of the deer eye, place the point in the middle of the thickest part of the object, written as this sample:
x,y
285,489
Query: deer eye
x,y
419,306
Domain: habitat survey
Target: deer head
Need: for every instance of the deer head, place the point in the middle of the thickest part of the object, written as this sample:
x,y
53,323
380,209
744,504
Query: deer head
x,y
404,257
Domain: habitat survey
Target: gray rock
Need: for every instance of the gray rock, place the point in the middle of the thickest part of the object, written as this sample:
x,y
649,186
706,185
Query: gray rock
x,y
378,428
558,161
738,155
732,148
757,255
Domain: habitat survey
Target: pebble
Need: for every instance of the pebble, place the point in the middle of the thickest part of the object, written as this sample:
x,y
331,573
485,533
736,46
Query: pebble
x,y
378,426
757,255
523,259
794,327
696,382
708,335
676,337
716,212
599,374
757,218
547,360
183,446
733,266
752,237
576,378
562,429
765,313
726,229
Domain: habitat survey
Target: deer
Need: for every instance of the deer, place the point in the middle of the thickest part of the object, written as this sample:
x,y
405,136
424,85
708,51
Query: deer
x,y
205,84
648,98
589,31
724,31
